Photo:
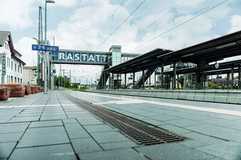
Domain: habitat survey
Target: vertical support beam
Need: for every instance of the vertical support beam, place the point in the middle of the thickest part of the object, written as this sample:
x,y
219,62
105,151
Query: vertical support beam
x,y
52,76
239,77
39,42
174,76
177,77
200,76
133,78
118,81
162,76
110,80
228,78
205,78
103,81
143,82
232,76
125,80
113,81
155,78
149,81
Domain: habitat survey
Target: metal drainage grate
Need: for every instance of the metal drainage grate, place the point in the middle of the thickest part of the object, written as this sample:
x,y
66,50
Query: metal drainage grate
x,y
140,132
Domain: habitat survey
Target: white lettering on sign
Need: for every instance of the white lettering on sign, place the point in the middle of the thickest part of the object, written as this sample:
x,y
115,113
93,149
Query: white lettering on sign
x,y
84,57
91,58
79,57
69,56
61,55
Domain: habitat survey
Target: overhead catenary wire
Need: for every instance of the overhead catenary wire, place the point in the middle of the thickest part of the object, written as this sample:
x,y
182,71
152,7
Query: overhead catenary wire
x,y
123,22
200,13
123,2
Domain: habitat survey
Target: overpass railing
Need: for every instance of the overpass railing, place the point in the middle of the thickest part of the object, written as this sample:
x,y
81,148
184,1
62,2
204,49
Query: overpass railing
x,y
218,96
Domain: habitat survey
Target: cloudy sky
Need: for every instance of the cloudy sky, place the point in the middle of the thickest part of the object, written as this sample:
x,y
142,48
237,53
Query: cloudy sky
x,y
95,25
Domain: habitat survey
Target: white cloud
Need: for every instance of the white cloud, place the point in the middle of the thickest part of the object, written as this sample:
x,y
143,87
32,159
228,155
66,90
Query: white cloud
x,y
15,13
89,26
24,47
186,3
18,14
94,20
235,23
175,35
66,3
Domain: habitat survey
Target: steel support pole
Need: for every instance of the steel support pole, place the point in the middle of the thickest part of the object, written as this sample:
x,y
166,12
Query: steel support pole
x,y
117,81
109,79
239,76
150,81
125,80
45,55
228,78
174,76
232,76
103,80
155,78
143,82
39,42
162,77
133,78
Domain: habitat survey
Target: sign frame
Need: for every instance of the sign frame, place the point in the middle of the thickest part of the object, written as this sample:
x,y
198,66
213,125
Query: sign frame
x,y
81,57
46,48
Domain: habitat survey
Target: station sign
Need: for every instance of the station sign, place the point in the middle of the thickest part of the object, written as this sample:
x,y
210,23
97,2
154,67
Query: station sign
x,y
46,48
81,57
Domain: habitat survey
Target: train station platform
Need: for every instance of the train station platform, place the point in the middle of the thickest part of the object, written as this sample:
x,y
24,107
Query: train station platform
x,y
54,127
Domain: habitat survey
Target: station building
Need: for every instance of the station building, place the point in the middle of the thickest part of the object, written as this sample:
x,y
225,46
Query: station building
x,y
11,65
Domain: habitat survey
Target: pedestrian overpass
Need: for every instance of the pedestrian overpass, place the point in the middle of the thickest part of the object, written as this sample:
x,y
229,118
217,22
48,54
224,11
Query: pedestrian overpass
x,y
80,57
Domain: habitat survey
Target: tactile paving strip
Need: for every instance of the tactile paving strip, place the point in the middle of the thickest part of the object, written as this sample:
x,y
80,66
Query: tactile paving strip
x,y
140,132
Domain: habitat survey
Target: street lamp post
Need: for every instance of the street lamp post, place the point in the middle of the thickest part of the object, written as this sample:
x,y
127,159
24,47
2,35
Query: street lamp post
x,y
46,68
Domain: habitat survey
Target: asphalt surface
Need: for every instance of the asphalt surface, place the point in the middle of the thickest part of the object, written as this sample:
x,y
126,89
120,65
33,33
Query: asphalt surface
x,y
52,127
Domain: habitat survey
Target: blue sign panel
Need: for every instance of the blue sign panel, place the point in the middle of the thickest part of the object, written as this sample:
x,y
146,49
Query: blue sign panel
x,y
36,47
81,57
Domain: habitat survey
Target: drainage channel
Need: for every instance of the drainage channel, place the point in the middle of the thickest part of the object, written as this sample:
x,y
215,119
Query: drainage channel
x,y
140,132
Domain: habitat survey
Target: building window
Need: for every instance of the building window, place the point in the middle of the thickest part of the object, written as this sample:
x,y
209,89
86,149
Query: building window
x,y
15,80
11,65
11,79
8,62
15,67
20,67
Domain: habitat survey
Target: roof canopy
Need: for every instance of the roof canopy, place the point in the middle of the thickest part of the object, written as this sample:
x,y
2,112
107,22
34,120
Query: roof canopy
x,y
203,53
139,63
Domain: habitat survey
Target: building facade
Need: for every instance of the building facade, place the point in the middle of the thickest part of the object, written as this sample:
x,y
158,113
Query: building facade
x,y
30,75
11,65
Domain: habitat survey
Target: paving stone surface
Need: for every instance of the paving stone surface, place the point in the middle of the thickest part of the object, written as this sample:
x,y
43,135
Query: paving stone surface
x,y
173,152
51,127
6,149
43,136
86,145
54,152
